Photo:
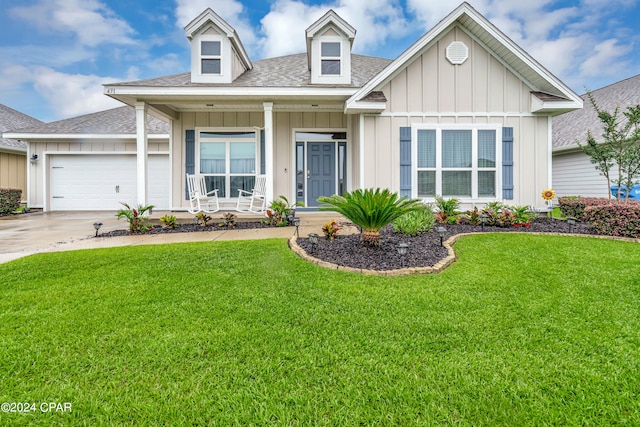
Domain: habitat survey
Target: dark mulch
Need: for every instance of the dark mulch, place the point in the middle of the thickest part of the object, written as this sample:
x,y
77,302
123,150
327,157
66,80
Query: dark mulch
x,y
189,228
424,251
346,250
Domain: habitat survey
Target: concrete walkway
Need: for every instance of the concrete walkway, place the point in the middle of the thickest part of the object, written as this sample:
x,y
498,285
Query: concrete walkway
x,y
26,234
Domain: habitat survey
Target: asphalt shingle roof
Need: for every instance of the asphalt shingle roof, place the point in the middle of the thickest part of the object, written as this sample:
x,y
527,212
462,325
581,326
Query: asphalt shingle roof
x,y
11,119
121,120
574,125
284,71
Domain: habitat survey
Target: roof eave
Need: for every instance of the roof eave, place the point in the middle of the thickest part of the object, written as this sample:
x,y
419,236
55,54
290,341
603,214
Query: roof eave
x,y
553,108
85,136
364,107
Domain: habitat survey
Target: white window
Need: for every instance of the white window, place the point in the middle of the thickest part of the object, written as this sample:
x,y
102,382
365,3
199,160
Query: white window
x,y
330,58
210,56
228,160
456,161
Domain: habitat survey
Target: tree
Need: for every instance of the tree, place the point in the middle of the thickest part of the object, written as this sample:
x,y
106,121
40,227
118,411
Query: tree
x,y
620,145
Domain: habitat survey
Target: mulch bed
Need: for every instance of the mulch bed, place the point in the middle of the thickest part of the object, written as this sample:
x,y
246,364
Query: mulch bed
x,y
424,250
346,250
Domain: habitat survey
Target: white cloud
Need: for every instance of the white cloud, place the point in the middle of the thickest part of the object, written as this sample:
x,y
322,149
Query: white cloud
x,y
72,94
91,21
376,21
605,58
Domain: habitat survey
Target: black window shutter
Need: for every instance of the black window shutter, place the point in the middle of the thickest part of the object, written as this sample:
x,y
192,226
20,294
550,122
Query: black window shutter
x,y
507,163
189,157
405,161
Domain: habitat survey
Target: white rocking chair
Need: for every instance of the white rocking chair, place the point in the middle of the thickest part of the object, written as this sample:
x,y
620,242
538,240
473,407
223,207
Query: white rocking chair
x,y
255,200
199,199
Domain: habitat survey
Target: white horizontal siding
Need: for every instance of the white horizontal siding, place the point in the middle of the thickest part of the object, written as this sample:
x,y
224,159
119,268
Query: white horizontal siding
x,y
575,175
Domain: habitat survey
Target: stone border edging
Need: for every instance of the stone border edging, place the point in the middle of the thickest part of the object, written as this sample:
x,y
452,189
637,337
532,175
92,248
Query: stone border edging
x,y
437,267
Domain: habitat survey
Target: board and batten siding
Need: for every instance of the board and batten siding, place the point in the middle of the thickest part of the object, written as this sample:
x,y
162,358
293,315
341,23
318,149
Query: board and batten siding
x,y
575,175
283,145
13,172
430,90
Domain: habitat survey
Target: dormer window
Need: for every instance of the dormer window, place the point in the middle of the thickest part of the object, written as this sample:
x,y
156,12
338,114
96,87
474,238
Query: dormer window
x,y
330,58
211,58
217,55
329,42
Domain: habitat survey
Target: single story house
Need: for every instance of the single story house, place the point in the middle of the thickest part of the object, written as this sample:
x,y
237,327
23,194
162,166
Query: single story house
x,y
463,112
89,162
573,172
13,153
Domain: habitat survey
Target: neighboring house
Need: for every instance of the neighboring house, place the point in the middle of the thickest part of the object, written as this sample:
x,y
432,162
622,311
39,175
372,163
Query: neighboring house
x,y
463,112
573,172
89,162
13,153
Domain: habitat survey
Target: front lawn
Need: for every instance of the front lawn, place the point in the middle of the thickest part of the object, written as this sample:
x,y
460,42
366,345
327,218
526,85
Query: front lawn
x,y
522,330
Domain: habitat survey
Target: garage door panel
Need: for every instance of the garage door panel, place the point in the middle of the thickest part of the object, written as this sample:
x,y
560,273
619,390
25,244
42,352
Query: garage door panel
x,y
102,182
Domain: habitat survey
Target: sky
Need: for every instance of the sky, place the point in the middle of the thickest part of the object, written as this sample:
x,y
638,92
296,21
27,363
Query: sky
x,y
55,55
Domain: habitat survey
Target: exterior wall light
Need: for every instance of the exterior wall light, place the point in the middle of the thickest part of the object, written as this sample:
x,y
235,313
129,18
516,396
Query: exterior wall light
x,y
97,226
33,159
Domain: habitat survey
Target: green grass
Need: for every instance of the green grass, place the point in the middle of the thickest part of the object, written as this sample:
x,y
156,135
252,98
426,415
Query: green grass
x,y
523,330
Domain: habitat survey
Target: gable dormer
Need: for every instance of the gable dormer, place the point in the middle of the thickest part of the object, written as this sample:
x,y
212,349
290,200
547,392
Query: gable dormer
x,y
329,42
217,54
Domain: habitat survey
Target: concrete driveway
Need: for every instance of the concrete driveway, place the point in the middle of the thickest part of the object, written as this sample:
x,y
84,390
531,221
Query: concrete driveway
x,y
26,234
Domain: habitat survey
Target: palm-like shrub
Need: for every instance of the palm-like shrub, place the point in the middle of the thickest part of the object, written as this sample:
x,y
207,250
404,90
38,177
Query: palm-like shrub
x,y
370,209
136,217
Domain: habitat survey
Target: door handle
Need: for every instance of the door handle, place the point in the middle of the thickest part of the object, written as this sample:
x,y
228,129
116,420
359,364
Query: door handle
x,y
308,173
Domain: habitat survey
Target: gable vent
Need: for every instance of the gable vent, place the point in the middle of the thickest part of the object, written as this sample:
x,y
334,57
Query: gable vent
x,y
457,53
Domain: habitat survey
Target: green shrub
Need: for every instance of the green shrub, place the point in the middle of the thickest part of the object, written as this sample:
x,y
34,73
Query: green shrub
x,y
169,221
416,222
370,209
136,217
447,210
9,200
616,219
574,206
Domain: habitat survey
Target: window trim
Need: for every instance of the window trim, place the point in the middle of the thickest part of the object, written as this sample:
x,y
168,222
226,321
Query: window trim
x,y
474,128
227,175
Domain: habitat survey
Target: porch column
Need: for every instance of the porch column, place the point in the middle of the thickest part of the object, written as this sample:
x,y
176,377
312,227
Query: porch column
x,y
141,153
268,149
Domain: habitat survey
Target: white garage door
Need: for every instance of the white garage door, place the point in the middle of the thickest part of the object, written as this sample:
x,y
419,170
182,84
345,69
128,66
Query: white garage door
x,y
102,181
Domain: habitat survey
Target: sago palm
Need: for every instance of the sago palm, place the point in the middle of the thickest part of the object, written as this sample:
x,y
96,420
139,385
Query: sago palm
x,y
370,209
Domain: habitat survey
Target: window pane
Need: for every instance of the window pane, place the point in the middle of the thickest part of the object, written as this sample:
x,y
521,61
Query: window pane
x,y
241,183
210,48
214,182
210,66
330,49
331,66
426,148
212,157
426,183
486,148
456,148
227,135
243,157
456,183
486,184
300,172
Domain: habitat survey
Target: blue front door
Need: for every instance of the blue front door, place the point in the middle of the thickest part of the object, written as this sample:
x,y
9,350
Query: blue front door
x,y
321,171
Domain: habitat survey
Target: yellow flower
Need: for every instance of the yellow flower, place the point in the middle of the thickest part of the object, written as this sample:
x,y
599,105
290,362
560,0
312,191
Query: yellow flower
x,y
548,194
